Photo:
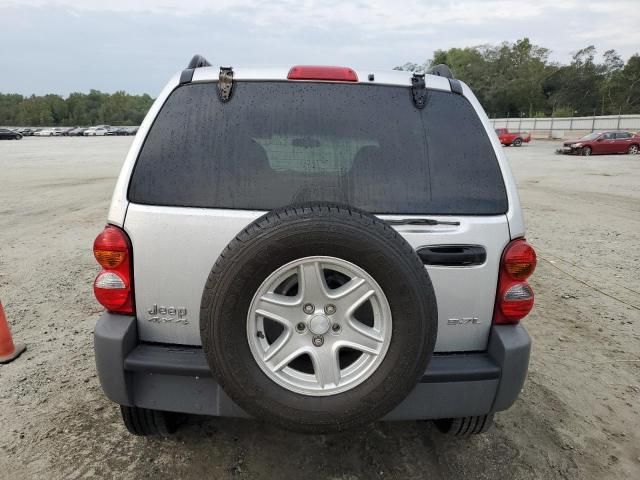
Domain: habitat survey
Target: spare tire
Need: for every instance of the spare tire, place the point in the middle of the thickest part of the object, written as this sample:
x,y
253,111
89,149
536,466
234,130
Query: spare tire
x,y
318,318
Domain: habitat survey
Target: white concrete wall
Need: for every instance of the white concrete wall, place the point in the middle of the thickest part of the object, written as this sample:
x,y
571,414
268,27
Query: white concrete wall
x,y
606,122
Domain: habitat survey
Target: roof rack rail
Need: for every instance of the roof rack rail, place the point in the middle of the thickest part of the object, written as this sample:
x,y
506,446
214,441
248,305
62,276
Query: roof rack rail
x,y
441,70
197,61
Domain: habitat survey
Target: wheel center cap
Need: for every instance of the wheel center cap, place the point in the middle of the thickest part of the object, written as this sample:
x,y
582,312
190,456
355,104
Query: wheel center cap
x,y
319,325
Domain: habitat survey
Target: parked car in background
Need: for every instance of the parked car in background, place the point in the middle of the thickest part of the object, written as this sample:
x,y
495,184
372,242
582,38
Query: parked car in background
x,y
117,131
603,143
99,131
26,132
60,131
64,131
44,132
512,138
123,131
6,134
76,132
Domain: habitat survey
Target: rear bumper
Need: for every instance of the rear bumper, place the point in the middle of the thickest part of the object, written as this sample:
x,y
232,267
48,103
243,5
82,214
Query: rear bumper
x,y
178,379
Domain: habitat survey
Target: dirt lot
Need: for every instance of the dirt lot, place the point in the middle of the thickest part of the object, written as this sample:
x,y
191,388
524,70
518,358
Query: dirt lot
x,y
578,417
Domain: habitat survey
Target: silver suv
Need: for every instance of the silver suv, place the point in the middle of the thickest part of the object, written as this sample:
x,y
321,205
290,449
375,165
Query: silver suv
x,y
317,247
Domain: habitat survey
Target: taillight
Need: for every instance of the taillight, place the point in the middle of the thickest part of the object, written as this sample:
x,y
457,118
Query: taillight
x,y
313,72
514,297
113,287
519,260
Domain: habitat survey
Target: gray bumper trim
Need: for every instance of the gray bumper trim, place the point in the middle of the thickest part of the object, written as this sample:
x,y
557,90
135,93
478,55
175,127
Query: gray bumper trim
x,y
167,359
191,362
509,346
461,368
178,378
113,338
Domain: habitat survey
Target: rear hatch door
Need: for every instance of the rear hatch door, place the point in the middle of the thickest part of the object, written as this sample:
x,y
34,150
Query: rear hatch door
x,y
207,169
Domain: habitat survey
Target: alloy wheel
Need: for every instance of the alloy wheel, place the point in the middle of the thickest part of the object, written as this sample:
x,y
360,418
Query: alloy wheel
x,y
319,326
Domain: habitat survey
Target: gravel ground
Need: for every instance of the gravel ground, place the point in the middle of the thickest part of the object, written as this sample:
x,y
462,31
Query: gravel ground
x,y
578,416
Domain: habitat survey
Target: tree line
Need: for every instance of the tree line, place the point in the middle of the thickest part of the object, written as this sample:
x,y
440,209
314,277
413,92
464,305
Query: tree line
x,y
518,79
510,80
78,109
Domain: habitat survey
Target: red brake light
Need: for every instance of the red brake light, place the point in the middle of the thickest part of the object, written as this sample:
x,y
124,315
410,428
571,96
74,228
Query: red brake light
x,y
314,72
113,287
519,259
514,297
110,247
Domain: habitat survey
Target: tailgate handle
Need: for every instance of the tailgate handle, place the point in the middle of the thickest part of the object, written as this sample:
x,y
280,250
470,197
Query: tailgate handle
x,y
453,255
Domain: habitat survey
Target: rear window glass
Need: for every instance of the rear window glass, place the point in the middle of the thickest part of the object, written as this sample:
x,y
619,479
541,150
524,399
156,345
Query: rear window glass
x,y
277,143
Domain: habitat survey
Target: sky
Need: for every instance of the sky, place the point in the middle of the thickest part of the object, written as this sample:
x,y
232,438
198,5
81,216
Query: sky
x,y
62,46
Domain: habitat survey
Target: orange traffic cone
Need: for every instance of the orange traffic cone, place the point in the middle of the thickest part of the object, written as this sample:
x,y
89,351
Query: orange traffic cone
x,y
8,350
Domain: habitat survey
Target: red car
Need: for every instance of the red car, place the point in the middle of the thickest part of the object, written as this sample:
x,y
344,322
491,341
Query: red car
x,y
512,138
604,143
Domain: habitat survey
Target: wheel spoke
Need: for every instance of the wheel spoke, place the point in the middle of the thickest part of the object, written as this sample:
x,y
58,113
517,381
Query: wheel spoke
x,y
284,350
351,295
312,283
282,309
326,367
360,337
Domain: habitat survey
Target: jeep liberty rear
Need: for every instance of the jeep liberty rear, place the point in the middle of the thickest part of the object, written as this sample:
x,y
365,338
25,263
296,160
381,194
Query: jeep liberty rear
x,y
318,247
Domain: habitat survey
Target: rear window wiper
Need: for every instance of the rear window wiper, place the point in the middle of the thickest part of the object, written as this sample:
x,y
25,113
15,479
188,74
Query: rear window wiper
x,y
420,221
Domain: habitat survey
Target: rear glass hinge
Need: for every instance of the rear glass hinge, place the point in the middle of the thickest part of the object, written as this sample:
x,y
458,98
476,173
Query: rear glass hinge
x,y
418,90
225,83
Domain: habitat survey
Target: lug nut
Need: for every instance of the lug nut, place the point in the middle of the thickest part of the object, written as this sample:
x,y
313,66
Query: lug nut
x,y
300,327
308,308
330,309
335,328
318,341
